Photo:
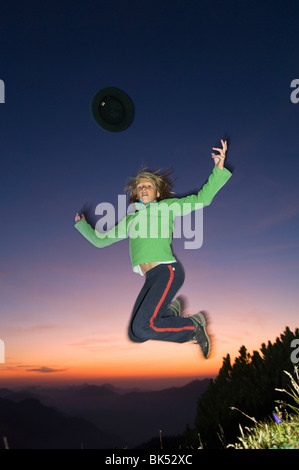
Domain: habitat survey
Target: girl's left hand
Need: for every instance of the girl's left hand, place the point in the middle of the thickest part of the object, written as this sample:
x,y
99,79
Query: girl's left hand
x,y
220,157
78,218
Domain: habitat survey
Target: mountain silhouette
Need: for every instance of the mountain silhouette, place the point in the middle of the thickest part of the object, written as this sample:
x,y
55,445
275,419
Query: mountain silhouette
x,y
31,425
97,416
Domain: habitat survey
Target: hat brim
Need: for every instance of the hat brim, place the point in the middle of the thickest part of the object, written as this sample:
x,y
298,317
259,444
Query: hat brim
x,y
112,109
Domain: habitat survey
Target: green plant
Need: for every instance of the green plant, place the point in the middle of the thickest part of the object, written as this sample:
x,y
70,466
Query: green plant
x,y
249,384
282,433
270,435
294,390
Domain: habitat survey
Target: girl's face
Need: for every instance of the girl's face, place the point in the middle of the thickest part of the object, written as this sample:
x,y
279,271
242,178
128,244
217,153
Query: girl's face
x,y
146,190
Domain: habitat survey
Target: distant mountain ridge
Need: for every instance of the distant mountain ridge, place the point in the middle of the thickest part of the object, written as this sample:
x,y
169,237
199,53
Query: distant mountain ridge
x,y
109,417
30,425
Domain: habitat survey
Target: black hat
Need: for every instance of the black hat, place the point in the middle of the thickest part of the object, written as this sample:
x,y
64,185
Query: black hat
x,y
112,109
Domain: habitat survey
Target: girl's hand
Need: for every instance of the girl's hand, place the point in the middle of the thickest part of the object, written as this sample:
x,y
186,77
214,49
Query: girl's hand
x,y
78,218
220,157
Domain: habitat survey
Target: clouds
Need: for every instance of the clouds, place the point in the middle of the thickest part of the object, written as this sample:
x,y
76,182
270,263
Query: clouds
x,y
23,370
97,344
46,370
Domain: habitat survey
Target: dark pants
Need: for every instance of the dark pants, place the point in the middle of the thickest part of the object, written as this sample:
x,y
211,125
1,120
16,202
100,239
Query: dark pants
x,y
151,319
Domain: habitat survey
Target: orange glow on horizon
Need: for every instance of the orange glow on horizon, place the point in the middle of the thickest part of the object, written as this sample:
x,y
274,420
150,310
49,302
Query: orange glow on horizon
x,y
151,361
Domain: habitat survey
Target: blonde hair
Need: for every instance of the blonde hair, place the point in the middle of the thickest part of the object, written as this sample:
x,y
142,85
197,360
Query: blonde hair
x,y
162,182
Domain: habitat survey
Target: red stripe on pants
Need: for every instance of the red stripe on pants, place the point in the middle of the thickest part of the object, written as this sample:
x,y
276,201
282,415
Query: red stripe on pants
x,y
159,305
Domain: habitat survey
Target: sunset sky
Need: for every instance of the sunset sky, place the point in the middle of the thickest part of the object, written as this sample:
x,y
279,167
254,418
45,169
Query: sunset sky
x,y
197,71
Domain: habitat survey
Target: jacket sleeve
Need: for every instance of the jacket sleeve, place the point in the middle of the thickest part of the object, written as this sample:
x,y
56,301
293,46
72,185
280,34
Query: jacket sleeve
x,y
100,240
204,197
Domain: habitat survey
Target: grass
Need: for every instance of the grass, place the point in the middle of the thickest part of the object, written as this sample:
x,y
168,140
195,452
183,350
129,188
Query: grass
x,y
282,432
270,435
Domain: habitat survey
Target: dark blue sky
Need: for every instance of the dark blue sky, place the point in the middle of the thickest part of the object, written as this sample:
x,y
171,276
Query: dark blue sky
x,y
197,71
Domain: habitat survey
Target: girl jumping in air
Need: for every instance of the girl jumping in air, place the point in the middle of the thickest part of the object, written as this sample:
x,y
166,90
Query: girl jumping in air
x,y
155,314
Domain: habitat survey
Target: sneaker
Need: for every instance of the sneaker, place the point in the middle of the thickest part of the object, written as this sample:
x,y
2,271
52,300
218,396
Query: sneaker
x,y
200,336
176,307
